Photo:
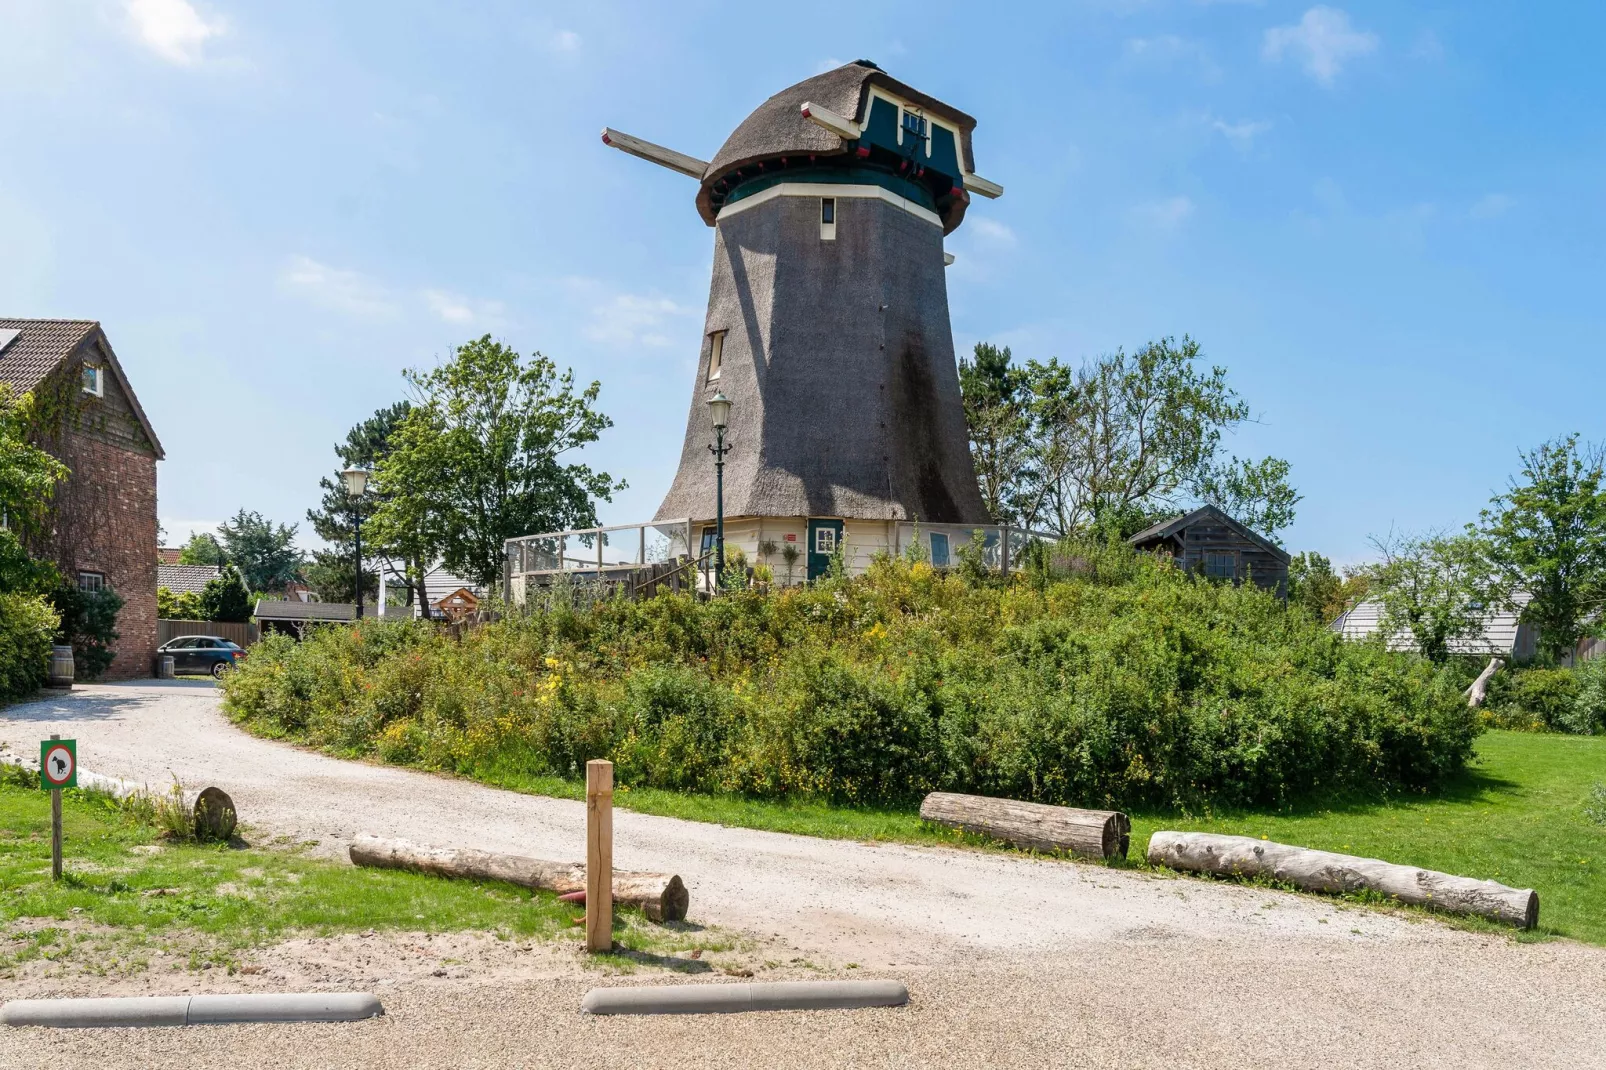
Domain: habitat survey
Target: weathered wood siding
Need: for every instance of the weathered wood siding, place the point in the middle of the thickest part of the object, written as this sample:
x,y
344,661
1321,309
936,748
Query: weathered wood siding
x,y
1250,559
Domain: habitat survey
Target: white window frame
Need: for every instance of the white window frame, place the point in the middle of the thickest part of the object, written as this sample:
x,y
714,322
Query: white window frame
x,y
828,207
825,540
94,380
89,580
716,354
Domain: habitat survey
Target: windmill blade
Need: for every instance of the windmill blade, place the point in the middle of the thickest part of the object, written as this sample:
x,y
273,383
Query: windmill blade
x,y
646,150
978,184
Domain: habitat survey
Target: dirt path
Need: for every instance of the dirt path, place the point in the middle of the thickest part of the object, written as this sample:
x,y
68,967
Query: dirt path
x,y
1073,952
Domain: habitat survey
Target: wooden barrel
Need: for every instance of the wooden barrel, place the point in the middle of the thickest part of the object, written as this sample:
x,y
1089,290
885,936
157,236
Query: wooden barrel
x,y
61,671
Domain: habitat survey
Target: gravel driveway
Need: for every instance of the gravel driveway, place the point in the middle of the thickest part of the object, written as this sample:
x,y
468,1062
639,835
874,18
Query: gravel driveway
x,y
1011,961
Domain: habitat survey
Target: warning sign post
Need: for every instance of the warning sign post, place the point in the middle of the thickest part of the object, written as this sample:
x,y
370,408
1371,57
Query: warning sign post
x,y
58,768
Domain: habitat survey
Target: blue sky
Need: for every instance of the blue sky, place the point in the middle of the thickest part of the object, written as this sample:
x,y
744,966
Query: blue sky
x,y
1385,219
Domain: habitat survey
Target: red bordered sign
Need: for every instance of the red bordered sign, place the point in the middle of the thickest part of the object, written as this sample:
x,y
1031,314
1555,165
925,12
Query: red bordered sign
x,y
58,764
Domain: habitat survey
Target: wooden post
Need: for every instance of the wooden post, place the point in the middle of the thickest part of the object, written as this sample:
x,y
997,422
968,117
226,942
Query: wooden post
x,y
599,855
55,828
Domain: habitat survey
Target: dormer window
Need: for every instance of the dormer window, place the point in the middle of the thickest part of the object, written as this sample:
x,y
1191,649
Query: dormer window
x,y
828,218
914,124
95,380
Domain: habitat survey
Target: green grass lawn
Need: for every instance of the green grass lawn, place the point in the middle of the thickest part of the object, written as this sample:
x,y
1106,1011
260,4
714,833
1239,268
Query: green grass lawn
x,y
1521,816
127,892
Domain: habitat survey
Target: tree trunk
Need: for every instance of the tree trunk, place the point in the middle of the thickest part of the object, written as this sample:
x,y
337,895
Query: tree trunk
x,y
1090,833
1480,687
661,896
1323,871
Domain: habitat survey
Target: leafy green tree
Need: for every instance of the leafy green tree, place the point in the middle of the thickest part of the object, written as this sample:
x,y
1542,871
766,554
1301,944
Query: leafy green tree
x,y
89,625
202,549
479,459
997,401
1547,535
1314,586
178,605
1256,493
332,573
226,598
264,552
28,478
1435,589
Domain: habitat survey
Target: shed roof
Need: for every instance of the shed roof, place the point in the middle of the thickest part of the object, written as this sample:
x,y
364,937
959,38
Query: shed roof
x,y
186,578
32,349
1165,529
777,127
1498,634
276,609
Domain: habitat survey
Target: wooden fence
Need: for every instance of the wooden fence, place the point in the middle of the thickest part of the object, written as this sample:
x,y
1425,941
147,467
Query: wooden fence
x,y
240,634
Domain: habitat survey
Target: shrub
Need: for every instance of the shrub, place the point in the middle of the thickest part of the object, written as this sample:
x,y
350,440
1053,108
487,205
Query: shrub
x,y
89,624
178,605
1534,699
1588,713
27,628
1114,680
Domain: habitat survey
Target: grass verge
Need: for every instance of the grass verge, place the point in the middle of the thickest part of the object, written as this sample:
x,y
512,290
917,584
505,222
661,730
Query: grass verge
x,y
1523,815
128,892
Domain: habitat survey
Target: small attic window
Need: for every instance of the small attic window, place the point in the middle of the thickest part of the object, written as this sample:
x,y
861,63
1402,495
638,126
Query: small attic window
x,y
95,380
716,354
827,218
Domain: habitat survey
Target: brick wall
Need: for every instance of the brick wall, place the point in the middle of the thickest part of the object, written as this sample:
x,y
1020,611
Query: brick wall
x,y
106,522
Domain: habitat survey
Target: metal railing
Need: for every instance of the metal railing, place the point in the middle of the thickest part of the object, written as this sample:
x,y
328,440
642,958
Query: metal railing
x,y
613,552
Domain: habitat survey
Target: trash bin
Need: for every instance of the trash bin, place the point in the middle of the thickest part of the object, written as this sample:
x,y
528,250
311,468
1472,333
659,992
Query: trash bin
x,y
164,667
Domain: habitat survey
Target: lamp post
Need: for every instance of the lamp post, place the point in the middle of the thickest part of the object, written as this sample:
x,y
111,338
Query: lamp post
x,y
356,480
719,412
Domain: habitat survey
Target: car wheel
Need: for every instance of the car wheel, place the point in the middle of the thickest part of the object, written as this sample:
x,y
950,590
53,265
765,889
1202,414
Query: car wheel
x,y
219,669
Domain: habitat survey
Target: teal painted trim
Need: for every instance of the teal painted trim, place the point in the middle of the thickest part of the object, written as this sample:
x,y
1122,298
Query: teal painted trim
x,y
944,153
862,176
881,126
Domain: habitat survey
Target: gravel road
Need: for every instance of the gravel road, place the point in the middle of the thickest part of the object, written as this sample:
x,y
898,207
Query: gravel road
x,y
1011,961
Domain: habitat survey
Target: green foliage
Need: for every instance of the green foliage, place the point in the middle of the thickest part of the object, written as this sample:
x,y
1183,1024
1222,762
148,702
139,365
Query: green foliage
x,y
28,475
1547,535
332,573
89,624
1115,444
1588,714
1121,682
27,627
1314,587
1533,699
179,605
264,552
226,598
1434,588
479,458
202,549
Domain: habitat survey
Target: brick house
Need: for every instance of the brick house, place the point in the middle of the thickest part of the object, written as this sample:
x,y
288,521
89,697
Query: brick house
x,y
103,523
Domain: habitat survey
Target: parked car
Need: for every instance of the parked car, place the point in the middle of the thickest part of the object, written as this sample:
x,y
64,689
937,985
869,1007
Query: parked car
x,y
202,653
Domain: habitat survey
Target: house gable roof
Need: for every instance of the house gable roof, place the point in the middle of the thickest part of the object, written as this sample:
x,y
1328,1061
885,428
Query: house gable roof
x,y
186,578
1165,529
38,347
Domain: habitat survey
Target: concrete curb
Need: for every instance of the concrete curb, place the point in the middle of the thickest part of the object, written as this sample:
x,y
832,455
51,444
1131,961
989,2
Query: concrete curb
x,y
191,1010
730,999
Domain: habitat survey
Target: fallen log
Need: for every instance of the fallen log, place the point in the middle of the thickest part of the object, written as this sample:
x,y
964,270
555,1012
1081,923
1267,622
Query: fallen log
x,y
661,896
1480,687
1089,833
1324,871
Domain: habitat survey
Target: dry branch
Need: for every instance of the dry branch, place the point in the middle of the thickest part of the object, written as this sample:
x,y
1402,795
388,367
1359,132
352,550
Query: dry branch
x,y
1480,687
1090,833
661,896
1323,871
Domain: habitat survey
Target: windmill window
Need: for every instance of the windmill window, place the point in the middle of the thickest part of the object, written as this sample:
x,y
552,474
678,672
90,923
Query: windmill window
x,y
716,354
827,218
914,124
939,550
94,380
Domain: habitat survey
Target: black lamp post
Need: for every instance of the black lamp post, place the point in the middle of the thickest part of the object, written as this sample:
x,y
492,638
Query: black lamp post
x,y
719,411
356,480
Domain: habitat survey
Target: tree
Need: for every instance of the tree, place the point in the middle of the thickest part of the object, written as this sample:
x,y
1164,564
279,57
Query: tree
x,y
28,479
997,402
1434,588
332,573
226,598
1546,535
88,625
264,553
1314,586
202,549
479,459
178,605
1117,443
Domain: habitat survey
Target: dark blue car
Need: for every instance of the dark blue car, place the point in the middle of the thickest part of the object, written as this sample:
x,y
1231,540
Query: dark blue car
x,y
202,654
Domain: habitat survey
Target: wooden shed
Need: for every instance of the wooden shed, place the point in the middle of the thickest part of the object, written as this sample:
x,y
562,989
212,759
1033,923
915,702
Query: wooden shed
x,y
1213,544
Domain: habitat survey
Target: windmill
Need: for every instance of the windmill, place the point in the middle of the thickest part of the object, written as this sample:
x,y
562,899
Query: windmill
x,y
827,323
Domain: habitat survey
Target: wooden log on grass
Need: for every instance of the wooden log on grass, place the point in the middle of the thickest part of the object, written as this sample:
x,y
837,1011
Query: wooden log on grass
x,y
1324,871
1036,826
660,896
1479,690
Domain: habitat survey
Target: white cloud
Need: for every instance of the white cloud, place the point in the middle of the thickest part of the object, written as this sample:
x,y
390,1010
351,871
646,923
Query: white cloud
x,y
1241,133
625,320
1491,206
565,41
1170,49
990,230
829,63
1166,214
1323,40
173,29
454,308
337,289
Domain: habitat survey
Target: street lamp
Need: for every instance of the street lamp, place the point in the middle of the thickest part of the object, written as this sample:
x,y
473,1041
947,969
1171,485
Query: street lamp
x,y
356,480
719,413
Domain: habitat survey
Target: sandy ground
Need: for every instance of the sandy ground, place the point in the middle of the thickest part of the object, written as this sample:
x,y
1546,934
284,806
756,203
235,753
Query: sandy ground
x,y
1010,961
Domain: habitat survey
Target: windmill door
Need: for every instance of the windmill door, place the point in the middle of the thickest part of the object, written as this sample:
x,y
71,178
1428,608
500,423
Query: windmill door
x,y
824,536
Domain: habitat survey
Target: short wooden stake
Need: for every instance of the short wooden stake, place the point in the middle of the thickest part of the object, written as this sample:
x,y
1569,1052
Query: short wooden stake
x,y
55,828
599,855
